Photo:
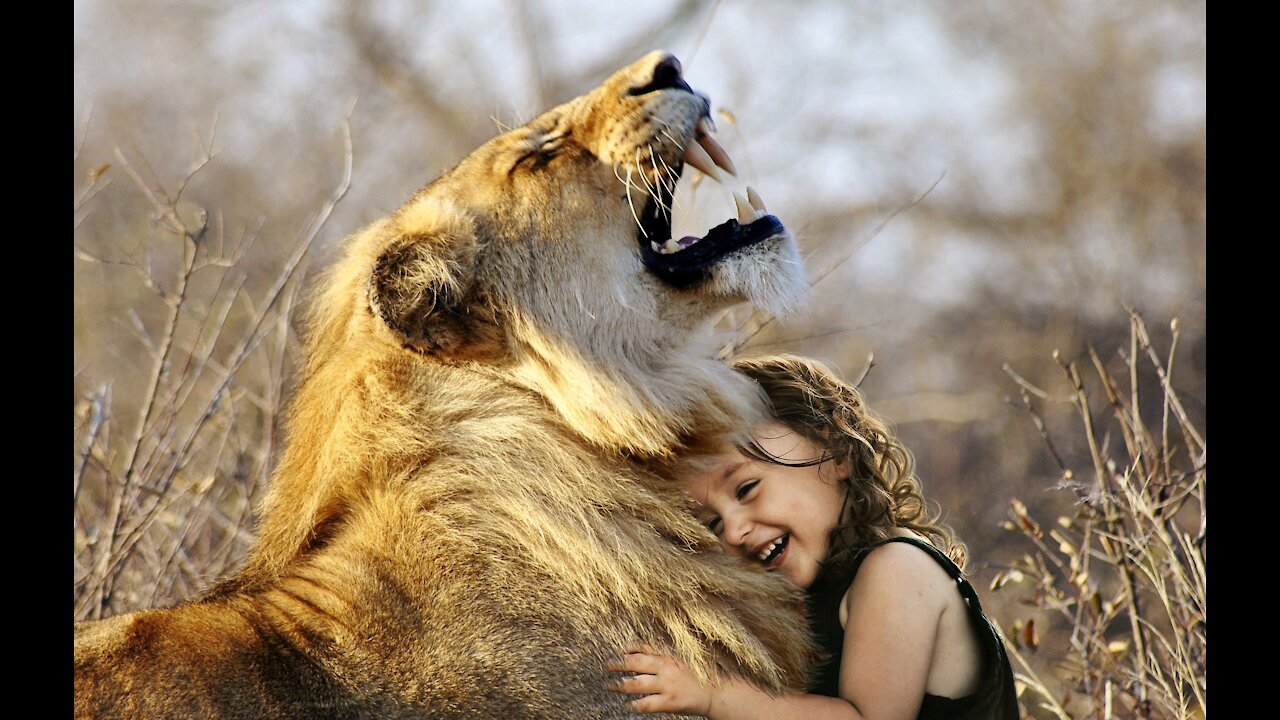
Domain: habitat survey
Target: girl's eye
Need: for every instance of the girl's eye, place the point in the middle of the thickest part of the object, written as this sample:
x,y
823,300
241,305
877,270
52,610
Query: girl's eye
x,y
713,524
745,488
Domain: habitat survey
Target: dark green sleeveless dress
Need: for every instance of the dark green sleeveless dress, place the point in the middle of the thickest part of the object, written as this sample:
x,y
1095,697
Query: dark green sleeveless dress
x,y
995,698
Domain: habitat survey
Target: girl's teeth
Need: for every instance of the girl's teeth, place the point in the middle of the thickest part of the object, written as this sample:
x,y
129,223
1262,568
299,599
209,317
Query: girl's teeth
x,y
767,551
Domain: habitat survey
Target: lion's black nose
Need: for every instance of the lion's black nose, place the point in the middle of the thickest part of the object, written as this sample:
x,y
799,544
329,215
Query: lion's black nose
x,y
666,75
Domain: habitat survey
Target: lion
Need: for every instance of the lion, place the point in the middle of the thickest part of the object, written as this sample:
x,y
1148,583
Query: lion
x,y
477,504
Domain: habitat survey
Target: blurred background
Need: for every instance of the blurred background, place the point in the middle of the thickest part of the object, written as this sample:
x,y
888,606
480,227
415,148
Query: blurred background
x,y
976,185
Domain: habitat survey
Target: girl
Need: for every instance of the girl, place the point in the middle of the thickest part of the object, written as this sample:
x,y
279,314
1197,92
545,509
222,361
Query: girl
x,y
826,497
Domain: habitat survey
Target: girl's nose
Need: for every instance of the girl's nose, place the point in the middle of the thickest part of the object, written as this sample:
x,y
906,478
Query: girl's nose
x,y
736,529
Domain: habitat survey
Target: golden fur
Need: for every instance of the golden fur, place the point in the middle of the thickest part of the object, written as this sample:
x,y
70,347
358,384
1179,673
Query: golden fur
x,y
476,506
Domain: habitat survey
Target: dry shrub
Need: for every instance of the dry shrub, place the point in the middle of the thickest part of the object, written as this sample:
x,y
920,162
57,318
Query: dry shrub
x,y
172,452
1122,575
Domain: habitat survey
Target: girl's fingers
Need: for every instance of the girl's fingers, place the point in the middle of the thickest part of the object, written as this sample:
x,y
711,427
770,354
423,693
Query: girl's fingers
x,y
648,704
636,685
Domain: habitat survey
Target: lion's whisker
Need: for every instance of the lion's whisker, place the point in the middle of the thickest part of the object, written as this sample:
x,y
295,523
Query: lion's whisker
x,y
633,205
670,176
659,177
667,185
668,171
626,182
657,180
643,178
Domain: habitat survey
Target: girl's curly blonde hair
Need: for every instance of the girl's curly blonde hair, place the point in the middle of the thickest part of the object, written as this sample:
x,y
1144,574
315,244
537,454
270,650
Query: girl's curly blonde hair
x,y
881,490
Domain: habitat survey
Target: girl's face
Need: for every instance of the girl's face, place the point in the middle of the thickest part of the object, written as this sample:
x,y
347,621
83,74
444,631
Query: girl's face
x,y
776,515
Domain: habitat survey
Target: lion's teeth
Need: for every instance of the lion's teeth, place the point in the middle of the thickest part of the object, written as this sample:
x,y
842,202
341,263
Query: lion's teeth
x,y
656,247
697,157
746,213
706,125
671,246
756,202
717,154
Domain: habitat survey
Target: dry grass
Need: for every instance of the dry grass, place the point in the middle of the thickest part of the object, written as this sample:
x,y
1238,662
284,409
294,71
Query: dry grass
x,y
1124,573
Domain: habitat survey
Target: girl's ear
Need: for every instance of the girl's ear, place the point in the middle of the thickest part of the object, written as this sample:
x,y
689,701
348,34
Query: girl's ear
x,y
843,468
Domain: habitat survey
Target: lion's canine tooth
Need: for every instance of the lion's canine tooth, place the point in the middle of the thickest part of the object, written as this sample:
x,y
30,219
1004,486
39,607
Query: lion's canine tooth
x,y
706,124
718,155
672,246
656,247
697,157
746,213
756,202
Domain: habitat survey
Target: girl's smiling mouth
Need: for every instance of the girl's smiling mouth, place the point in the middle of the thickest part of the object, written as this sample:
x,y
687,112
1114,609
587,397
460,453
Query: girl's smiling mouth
x,y
771,552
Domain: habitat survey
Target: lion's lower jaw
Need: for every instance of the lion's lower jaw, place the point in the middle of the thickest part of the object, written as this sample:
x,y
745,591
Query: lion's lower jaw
x,y
769,275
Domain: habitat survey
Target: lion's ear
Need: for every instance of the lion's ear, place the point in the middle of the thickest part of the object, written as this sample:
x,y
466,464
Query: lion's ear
x,y
423,284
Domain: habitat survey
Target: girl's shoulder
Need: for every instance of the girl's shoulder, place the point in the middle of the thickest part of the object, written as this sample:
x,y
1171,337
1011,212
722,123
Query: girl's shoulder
x,y
901,570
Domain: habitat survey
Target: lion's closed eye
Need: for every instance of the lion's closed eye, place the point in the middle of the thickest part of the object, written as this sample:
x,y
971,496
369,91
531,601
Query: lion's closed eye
x,y
541,153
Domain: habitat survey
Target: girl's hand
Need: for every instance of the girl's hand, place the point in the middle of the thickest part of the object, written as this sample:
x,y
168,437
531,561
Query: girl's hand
x,y
666,684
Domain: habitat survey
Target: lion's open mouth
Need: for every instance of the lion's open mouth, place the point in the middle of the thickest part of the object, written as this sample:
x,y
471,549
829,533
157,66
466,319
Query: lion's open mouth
x,y
686,261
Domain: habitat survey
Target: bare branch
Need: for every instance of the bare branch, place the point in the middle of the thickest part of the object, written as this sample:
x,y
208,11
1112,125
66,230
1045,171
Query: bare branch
x,y
746,338
879,228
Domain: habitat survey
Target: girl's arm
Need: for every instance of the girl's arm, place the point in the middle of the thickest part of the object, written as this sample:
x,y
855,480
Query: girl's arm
x,y
893,610
668,686
891,616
